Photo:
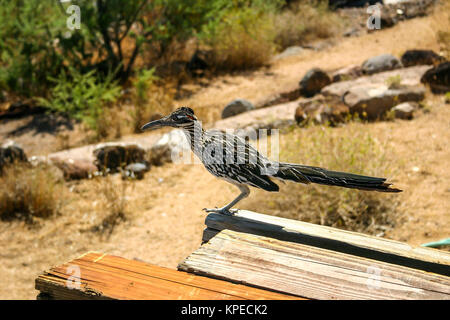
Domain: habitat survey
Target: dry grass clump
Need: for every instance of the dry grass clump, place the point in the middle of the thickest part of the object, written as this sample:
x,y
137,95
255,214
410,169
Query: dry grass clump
x,y
247,39
159,101
304,22
28,192
441,24
244,40
352,151
113,203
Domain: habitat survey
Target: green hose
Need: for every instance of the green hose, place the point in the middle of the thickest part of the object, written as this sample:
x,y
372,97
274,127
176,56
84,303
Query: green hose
x,y
436,244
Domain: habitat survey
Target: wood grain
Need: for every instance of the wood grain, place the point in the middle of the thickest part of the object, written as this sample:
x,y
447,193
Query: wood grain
x,y
357,244
310,272
110,277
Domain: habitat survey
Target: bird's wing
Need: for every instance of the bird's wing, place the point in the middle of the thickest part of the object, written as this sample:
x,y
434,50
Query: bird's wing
x,y
230,157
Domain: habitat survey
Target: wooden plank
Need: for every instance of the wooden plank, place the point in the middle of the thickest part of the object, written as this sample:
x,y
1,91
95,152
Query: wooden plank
x,y
358,244
308,271
101,276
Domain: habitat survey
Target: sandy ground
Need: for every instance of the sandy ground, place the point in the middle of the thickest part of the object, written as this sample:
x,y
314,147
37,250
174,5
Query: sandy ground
x,y
165,221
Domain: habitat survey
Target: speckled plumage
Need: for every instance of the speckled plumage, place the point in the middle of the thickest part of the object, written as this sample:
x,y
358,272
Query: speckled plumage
x,y
231,158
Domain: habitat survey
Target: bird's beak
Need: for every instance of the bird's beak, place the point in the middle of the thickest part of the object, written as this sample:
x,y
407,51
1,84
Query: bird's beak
x,y
163,122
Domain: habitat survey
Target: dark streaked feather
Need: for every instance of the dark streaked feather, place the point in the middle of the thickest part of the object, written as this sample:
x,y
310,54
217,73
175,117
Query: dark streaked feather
x,y
318,175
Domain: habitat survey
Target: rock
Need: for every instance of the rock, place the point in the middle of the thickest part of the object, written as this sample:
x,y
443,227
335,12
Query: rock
x,y
421,57
135,170
172,147
351,3
353,32
75,169
11,153
409,9
112,156
236,107
372,102
288,52
321,111
273,117
438,78
348,73
408,76
405,110
381,63
313,81
21,109
279,98
200,62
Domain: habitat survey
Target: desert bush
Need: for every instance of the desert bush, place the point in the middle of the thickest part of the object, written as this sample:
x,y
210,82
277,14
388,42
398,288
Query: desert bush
x,y
441,25
305,21
241,34
113,200
353,151
29,192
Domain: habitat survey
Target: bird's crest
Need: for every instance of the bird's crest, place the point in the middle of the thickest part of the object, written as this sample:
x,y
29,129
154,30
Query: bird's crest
x,y
186,109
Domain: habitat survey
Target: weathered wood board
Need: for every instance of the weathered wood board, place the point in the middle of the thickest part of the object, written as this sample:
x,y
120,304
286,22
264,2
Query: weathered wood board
x,y
101,276
357,244
308,271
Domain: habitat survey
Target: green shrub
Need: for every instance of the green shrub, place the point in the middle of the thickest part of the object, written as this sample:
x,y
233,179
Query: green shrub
x,y
82,96
28,42
35,41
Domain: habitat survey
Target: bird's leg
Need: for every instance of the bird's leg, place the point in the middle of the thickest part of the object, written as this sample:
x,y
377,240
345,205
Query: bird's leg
x,y
245,191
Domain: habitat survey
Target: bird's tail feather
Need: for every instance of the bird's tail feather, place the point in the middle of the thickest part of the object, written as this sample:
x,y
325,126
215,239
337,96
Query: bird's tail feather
x,y
307,174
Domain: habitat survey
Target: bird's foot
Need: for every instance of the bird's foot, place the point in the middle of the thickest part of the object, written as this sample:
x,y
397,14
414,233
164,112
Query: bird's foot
x,y
225,211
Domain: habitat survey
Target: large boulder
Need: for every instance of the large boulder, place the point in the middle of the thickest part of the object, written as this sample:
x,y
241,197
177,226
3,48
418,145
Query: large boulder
x,y
236,107
10,153
372,102
408,77
438,78
421,57
249,123
381,63
313,81
113,156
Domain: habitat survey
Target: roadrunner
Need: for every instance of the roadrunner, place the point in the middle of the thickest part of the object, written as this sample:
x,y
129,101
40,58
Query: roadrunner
x,y
232,159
